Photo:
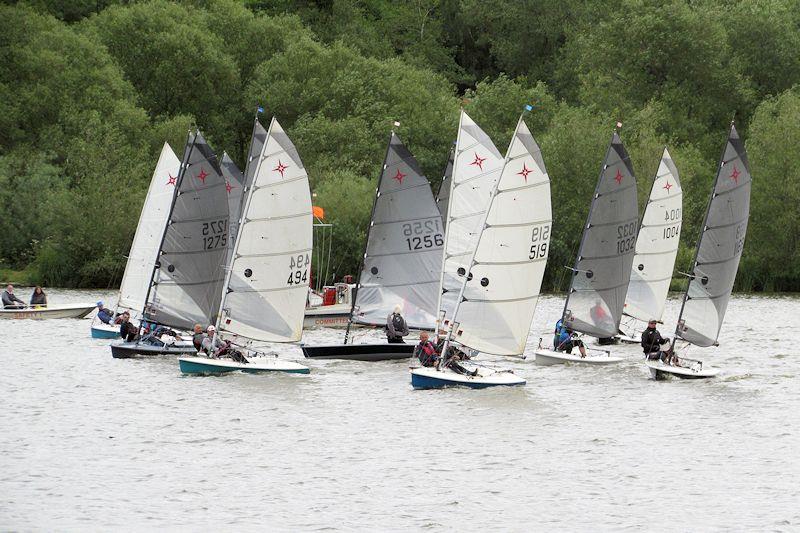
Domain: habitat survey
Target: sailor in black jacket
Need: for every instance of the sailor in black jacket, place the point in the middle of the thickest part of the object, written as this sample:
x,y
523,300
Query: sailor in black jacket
x,y
652,341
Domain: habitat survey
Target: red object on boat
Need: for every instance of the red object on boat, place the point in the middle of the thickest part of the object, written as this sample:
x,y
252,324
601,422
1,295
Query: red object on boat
x,y
348,279
329,296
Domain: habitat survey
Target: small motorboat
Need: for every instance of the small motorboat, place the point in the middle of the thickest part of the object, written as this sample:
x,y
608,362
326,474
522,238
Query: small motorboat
x,y
48,312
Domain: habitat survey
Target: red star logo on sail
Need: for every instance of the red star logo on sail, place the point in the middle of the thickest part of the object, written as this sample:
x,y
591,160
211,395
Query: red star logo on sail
x,y
735,175
668,186
280,168
203,175
399,176
173,180
478,161
524,172
618,177
229,187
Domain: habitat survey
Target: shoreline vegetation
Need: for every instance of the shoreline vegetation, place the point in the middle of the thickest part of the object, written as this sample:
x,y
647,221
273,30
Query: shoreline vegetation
x,y
89,92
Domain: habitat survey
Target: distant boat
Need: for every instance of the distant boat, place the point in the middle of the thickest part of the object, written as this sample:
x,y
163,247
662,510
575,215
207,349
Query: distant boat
x,y
49,311
602,268
716,261
656,251
144,249
496,250
188,273
266,286
401,261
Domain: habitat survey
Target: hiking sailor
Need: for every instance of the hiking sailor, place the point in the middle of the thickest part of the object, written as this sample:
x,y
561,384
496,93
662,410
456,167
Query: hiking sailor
x,y
396,327
563,340
426,351
104,314
652,342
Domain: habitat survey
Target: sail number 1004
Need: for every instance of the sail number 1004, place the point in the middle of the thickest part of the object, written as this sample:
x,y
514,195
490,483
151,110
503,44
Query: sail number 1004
x,y
298,269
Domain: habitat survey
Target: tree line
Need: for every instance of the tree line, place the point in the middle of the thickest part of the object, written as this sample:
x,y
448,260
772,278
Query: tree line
x,y
90,89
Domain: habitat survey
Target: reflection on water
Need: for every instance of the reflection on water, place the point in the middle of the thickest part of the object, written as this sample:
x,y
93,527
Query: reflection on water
x,y
92,442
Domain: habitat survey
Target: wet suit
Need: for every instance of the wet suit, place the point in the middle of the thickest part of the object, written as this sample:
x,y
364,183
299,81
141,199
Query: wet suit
x,y
426,353
562,340
651,344
128,331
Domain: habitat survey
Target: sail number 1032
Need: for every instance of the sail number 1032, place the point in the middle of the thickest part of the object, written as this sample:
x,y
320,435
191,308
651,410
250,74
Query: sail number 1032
x,y
298,269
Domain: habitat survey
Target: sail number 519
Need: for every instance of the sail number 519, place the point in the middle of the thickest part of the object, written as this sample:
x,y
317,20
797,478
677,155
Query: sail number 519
x,y
540,238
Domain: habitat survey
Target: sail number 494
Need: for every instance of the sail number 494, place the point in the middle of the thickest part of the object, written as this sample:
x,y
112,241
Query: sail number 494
x,y
298,269
540,238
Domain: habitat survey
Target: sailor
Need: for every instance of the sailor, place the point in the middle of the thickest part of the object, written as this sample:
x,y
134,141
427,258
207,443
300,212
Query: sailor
x,y
602,319
104,315
127,330
396,327
198,336
212,342
563,340
38,297
426,351
652,342
454,355
10,300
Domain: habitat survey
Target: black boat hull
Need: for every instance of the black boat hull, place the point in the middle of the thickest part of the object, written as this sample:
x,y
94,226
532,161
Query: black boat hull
x,y
129,350
360,352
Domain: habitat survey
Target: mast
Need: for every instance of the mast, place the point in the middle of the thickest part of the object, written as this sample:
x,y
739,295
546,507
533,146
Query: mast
x,y
353,295
240,223
187,152
471,261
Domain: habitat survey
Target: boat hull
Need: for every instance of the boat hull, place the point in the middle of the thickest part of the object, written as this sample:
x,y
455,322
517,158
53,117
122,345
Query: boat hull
x,y
627,339
359,352
105,332
49,312
660,371
129,350
550,357
430,378
257,365
327,316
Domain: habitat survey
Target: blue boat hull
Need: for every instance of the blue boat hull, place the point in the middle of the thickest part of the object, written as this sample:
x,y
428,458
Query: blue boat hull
x,y
425,382
193,367
104,334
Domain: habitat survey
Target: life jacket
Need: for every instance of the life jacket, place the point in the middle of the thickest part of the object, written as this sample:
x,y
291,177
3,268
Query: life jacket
x,y
398,323
426,353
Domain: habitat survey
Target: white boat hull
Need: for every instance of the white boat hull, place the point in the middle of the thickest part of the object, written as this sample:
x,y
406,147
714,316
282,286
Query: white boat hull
x,y
627,339
327,316
49,312
431,378
659,371
550,357
208,365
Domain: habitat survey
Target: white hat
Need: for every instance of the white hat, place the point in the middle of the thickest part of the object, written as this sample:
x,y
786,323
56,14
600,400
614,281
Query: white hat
x,y
211,328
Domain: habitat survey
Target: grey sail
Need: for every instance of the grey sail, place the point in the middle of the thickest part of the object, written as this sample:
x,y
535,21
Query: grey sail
x,y
234,185
443,195
719,248
187,283
404,245
603,267
256,145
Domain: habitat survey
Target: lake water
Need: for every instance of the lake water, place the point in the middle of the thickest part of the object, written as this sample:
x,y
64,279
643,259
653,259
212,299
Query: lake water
x,y
91,442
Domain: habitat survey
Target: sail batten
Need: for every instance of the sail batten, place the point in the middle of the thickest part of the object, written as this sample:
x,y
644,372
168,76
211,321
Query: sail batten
x,y
404,245
719,248
601,273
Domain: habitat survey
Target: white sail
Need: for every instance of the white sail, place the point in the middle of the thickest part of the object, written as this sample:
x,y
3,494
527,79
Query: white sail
x,y
476,168
500,299
656,245
146,241
267,285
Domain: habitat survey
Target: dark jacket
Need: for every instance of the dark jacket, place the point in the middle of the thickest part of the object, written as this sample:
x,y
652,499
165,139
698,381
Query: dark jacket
x,y
11,300
426,353
652,340
105,315
38,299
128,331
197,340
396,327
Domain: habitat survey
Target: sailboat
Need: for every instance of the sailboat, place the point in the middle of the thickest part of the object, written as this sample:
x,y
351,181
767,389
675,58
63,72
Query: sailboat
x,y
715,264
188,274
401,261
602,268
142,256
443,194
497,240
656,251
266,284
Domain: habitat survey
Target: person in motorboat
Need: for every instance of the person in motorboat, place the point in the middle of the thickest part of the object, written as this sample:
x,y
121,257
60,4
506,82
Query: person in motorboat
x,y
10,300
198,337
563,341
426,351
38,298
396,327
104,314
127,330
212,342
652,341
